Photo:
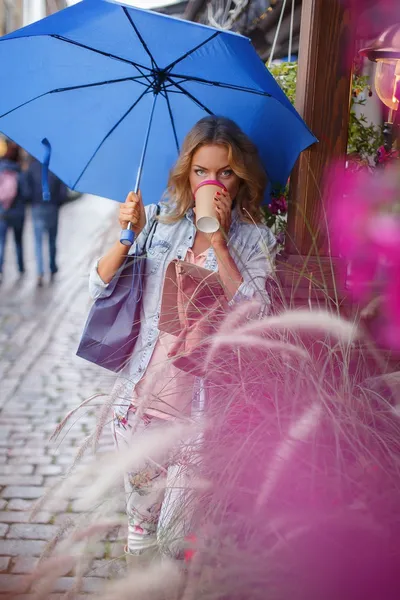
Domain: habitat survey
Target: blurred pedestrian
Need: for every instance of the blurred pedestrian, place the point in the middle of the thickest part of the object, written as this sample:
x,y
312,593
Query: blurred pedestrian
x,y
44,215
12,205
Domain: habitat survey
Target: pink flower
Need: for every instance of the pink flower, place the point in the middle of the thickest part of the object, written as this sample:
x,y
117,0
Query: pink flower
x,y
280,238
365,229
383,156
278,205
385,235
392,305
352,208
363,273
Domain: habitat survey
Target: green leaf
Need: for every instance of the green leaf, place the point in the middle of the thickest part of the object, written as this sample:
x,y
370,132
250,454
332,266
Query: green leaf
x,y
364,138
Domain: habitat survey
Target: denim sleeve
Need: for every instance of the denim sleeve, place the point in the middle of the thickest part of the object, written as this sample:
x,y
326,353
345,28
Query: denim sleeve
x,y
97,287
260,266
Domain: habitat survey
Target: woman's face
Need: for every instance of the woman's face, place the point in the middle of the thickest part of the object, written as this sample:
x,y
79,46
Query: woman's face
x,y
212,162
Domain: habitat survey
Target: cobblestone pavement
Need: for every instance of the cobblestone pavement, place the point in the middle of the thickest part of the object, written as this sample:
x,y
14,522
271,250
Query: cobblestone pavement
x,y
41,379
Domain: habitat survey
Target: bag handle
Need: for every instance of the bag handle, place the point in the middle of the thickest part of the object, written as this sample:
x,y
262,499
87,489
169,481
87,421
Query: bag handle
x,y
149,237
152,231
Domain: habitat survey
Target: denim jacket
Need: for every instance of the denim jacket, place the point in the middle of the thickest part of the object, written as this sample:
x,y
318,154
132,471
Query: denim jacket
x,y
251,246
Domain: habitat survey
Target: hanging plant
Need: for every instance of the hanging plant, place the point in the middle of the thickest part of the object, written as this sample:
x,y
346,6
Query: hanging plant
x,y
285,74
364,137
275,213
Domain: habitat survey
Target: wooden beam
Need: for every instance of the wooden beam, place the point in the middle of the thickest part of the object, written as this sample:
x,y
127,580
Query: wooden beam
x,y
323,100
308,273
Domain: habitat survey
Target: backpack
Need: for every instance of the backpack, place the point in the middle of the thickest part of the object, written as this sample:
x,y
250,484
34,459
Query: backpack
x,y
8,188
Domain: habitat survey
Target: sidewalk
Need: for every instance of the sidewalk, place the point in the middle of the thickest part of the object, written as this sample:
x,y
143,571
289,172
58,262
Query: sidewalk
x,y
41,380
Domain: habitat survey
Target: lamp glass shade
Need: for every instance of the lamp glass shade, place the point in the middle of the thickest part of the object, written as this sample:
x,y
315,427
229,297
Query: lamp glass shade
x,y
387,82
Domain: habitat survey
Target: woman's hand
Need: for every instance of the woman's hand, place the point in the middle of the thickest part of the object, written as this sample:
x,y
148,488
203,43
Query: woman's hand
x,y
132,211
223,207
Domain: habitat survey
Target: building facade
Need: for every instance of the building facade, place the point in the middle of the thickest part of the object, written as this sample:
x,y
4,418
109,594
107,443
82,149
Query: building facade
x,y
11,15
256,19
17,13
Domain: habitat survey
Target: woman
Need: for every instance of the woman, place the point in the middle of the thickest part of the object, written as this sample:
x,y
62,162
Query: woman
x,y
12,205
241,252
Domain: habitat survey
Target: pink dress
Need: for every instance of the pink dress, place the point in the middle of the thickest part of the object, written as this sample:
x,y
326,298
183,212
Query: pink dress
x,y
169,390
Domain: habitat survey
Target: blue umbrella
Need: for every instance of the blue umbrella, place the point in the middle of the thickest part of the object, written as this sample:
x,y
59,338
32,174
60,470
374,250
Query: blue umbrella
x,y
102,92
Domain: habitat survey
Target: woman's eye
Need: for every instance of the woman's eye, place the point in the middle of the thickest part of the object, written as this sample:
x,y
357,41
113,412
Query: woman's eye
x,y
227,173
200,172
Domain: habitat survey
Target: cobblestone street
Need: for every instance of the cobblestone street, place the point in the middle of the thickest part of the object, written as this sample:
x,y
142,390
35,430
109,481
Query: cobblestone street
x,y
41,380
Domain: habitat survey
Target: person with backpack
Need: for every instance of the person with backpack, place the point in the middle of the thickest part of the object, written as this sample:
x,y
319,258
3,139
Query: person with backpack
x,y
12,204
44,214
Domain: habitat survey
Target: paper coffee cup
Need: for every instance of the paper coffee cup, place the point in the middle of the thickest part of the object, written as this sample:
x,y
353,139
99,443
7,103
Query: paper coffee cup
x,y
206,215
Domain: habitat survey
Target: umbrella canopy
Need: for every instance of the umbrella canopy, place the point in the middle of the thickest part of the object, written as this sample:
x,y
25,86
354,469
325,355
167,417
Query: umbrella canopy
x,y
98,81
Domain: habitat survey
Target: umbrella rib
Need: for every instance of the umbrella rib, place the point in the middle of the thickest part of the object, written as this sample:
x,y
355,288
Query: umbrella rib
x,y
106,54
146,48
171,116
9,112
178,60
228,86
75,87
90,85
109,133
193,98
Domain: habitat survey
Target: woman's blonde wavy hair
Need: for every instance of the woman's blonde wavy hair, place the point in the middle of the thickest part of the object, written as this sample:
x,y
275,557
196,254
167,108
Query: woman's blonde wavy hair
x,y
243,160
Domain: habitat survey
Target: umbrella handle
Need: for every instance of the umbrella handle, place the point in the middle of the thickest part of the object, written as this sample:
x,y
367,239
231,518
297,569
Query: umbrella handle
x,y
127,236
45,170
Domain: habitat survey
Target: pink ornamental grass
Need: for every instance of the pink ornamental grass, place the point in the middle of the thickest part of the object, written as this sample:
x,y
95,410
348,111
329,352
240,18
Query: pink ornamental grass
x,y
300,455
365,229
